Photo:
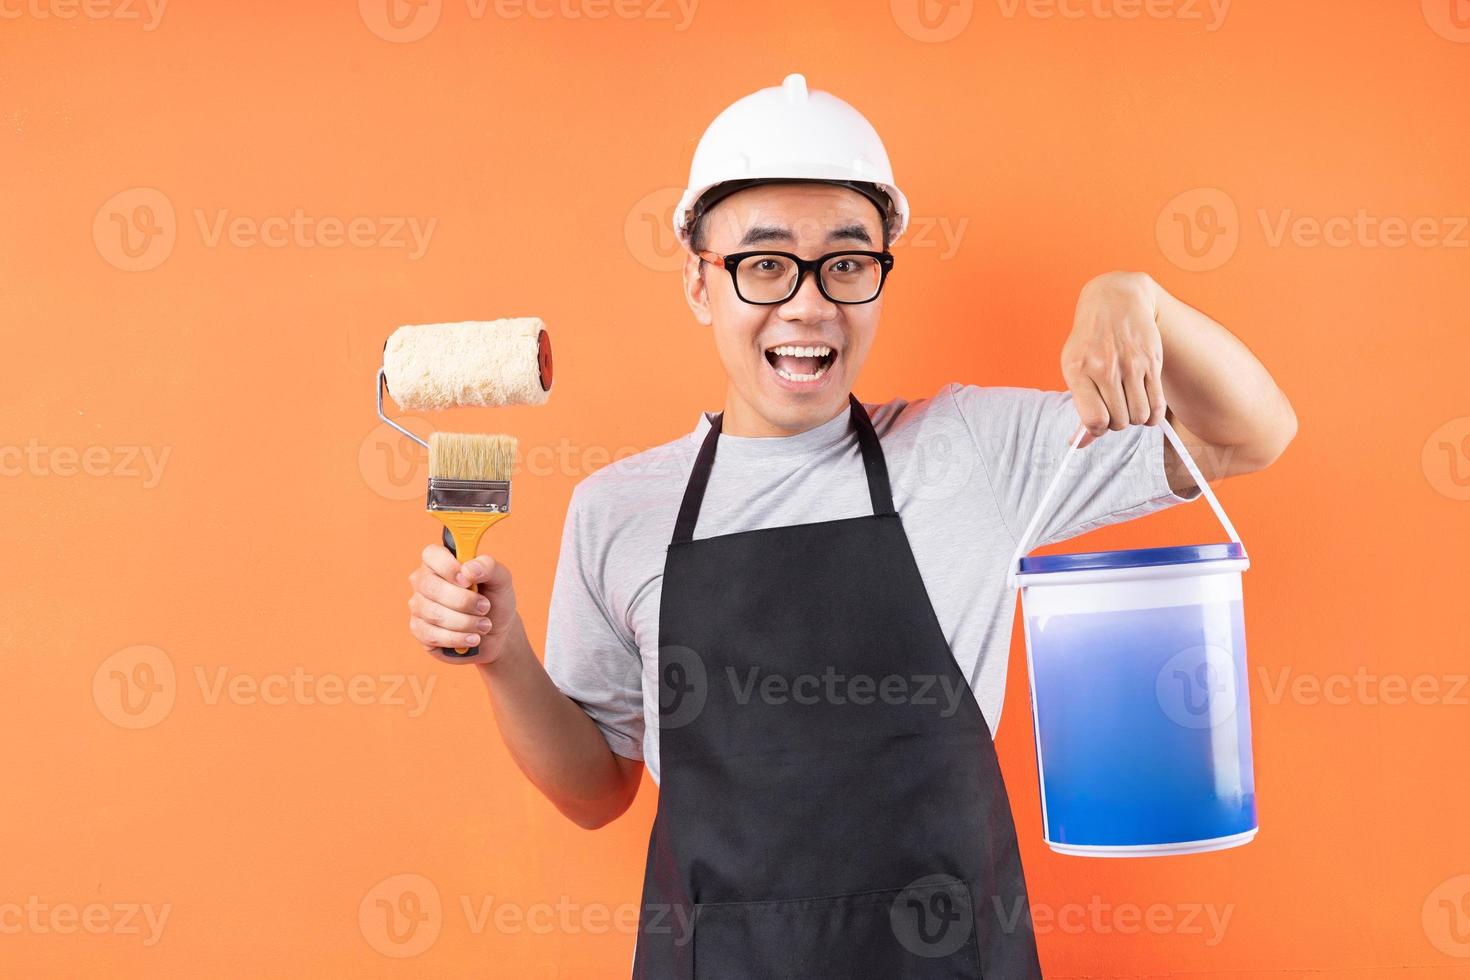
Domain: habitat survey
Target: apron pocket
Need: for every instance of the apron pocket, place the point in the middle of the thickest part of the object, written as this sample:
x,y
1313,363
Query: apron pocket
x,y
923,932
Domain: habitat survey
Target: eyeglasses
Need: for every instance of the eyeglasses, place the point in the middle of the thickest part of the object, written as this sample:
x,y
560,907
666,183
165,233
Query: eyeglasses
x,y
768,278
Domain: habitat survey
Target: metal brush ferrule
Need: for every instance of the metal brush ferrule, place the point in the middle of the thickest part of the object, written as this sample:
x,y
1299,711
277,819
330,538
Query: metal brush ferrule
x,y
488,495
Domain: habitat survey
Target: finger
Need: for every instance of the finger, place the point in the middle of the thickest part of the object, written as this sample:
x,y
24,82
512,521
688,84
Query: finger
x,y
435,589
1110,389
437,636
1092,411
441,561
1154,387
460,622
1137,396
487,570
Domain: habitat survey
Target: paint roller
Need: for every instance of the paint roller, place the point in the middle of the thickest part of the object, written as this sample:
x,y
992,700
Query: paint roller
x,y
472,363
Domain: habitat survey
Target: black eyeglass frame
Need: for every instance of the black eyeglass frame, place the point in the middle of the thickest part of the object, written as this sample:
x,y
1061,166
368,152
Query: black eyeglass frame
x,y
732,261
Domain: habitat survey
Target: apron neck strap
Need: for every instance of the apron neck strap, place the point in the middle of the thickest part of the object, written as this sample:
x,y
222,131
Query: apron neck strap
x,y
879,489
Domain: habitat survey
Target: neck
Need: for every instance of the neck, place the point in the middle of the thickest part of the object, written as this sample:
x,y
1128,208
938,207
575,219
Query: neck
x,y
741,419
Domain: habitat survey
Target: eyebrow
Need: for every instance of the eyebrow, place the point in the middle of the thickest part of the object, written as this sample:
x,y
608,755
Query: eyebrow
x,y
761,234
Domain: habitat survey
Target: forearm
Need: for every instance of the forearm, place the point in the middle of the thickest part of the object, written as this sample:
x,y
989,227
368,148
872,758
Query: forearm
x,y
558,747
1220,392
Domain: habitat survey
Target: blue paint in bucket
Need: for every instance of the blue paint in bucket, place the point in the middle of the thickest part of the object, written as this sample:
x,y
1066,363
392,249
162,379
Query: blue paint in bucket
x,y
1140,695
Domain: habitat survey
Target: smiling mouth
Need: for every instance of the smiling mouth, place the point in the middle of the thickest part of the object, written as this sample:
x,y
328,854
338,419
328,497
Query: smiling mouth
x,y
796,363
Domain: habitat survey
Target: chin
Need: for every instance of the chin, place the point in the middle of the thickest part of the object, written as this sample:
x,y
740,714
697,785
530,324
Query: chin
x,y
799,412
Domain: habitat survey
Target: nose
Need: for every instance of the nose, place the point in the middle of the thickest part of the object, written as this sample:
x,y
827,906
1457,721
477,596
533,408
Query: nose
x,y
808,303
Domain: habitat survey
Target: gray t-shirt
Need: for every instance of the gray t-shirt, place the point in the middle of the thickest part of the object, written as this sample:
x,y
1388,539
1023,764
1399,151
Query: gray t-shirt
x,y
968,468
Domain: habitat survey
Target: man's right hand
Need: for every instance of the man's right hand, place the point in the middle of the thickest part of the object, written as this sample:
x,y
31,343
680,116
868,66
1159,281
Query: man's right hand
x,y
456,605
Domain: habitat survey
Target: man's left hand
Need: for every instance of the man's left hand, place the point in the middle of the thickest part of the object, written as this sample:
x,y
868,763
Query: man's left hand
x,y
1114,357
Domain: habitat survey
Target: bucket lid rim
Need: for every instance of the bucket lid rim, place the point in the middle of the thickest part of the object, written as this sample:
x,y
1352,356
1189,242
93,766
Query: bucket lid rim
x,y
1133,557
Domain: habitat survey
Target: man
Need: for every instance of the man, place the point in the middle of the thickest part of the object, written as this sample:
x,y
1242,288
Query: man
x,y
797,615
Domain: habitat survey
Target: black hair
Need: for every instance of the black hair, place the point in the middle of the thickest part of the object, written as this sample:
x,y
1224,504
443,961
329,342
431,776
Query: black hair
x,y
711,197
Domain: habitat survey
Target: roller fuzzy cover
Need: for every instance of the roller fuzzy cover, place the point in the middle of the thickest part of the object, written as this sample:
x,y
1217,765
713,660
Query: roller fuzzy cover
x,y
475,362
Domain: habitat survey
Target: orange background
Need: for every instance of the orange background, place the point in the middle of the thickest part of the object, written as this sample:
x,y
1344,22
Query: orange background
x,y
548,151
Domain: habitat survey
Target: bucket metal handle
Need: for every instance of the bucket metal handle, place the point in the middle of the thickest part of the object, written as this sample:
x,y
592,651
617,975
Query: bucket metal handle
x,y
1024,545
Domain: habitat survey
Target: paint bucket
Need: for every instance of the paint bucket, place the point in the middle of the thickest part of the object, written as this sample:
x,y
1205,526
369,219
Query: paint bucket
x,y
1139,692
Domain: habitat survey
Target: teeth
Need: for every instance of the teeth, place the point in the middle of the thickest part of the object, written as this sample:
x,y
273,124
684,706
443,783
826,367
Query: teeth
x,y
790,351
802,377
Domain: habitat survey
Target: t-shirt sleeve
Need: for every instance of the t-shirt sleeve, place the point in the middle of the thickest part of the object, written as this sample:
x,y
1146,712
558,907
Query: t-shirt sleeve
x,y
588,656
1022,436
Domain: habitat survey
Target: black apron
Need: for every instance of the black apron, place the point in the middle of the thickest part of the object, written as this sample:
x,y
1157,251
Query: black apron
x,y
831,804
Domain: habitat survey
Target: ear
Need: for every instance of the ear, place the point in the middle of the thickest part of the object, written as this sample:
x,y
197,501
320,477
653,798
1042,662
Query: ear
x,y
696,288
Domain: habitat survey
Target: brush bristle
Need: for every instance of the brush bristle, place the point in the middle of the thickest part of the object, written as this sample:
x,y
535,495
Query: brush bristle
x,y
461,456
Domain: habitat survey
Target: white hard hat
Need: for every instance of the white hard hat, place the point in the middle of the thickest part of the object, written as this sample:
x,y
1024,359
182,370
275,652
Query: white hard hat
x,y
788,133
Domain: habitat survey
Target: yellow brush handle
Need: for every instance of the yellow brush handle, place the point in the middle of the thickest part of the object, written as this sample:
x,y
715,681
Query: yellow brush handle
x,y
467,527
